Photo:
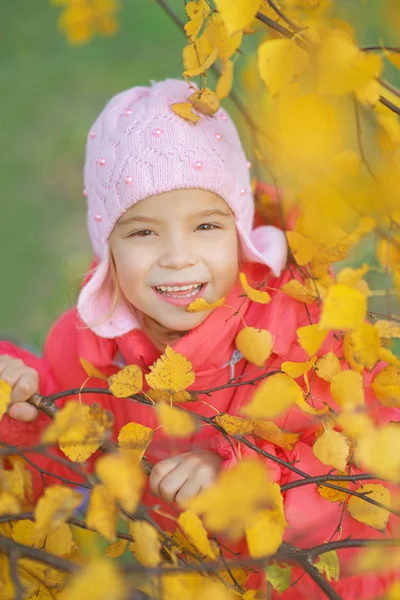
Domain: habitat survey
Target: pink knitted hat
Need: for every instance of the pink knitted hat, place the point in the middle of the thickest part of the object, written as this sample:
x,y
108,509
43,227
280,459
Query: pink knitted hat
x,y
139,147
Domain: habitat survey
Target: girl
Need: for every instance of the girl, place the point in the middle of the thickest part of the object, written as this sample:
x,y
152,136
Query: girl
x,y
170,217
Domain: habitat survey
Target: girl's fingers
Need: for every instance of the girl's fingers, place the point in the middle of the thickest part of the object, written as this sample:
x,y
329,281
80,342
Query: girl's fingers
x,y
189,490
24,382
172,483
22,411
160,470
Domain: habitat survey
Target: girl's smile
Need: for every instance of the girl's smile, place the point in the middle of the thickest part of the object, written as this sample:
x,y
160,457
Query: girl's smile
x,y
180,295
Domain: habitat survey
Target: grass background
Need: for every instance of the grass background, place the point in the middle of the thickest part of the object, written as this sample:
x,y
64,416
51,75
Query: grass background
x,y
50,93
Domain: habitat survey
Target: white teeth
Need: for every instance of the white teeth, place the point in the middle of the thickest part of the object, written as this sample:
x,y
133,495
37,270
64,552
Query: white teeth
x,y
193,288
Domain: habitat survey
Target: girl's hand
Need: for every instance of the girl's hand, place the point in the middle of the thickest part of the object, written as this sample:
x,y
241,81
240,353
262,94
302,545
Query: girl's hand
x,y
182,477
24,382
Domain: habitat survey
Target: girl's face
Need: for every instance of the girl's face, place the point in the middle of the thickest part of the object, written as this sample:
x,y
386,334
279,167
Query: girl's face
x,y
172,248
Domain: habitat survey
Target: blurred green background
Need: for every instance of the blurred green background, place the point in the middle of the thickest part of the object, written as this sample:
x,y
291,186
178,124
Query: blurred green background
x,y
50,93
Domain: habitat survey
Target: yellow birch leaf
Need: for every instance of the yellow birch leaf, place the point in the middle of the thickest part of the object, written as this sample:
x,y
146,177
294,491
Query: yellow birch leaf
x,y
181,585
9,504
5,397
252,293
147,543
302,248
60,541
197,535
99,580
197,12
184,396
54,507
300,292
348,164
90,370
255,344
386,386
366,345
264,533
200,304
218,37
387,329
296,369
351,277
347,389
269,431
273,397
184,110
237,494
279,62
344,308
379,451
195,54
102,512
234,425
334,495
159,395
327,366
134,439
72,413
203,67
394,57
348,352
394,591
123,478
127,382
279,577
311,338
387,253
24,532
171,372
353,423
387,356
225,81
84,438
332,448
175,422
367,513
237,15
329,565
116,549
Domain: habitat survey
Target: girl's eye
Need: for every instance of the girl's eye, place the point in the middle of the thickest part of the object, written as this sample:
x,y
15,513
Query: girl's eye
x,y
142,233
207,227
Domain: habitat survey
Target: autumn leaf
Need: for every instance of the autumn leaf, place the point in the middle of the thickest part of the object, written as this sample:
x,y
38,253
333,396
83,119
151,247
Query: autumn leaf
x,y
252,293
344,308
329,565
102,512
387,329
352,277
197,12
171,372
193,528
5,397
234,425
55,507
301,247
387,356
334,495
91,371
332,448
116,549
269,431
99,580
61,542
386,386
237,15
379,450
279,62
203,67
200,304
279,577
127,382
134,439
184,110
296,369
175,422
123,478
348,352
218,37
72,413
311,338
300,292
147,543
264,532
327,366
255,344
367,513
205,101
225,81
347,389
366,345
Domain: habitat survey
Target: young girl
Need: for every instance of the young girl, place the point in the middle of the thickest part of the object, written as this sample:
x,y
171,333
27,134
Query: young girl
x,y
170,217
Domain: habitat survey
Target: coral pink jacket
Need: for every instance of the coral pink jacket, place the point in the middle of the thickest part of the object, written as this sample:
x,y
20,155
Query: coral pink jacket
x,y
210,347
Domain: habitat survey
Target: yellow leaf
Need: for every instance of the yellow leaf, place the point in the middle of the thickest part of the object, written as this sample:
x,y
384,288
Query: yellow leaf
x,y
311,338
9,504
302,248
237,15
218,37
332,448
350,276
334,495
394,57
197,535
184,110
91,371
386,386
234,498
102,512
116,549
298,291
134,439
99,580
254,344
225,81
175,422
81,440
347,389
24,532
200,304
171,372
387,329
327,366
348,164
329,565
367,513
253,294
387,356
195,54
366,345
279,62
54,507
379,450
354,423
60,542
296,369
344,308
127,382
273,397
147,543
5,397
123,478
269,431
181,585
197,12
264,532
234,425
348,352
387,253
203,67
394,591
184,396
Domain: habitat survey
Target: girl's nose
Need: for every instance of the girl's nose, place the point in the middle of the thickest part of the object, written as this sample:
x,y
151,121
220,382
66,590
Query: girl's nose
x,y
177,255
